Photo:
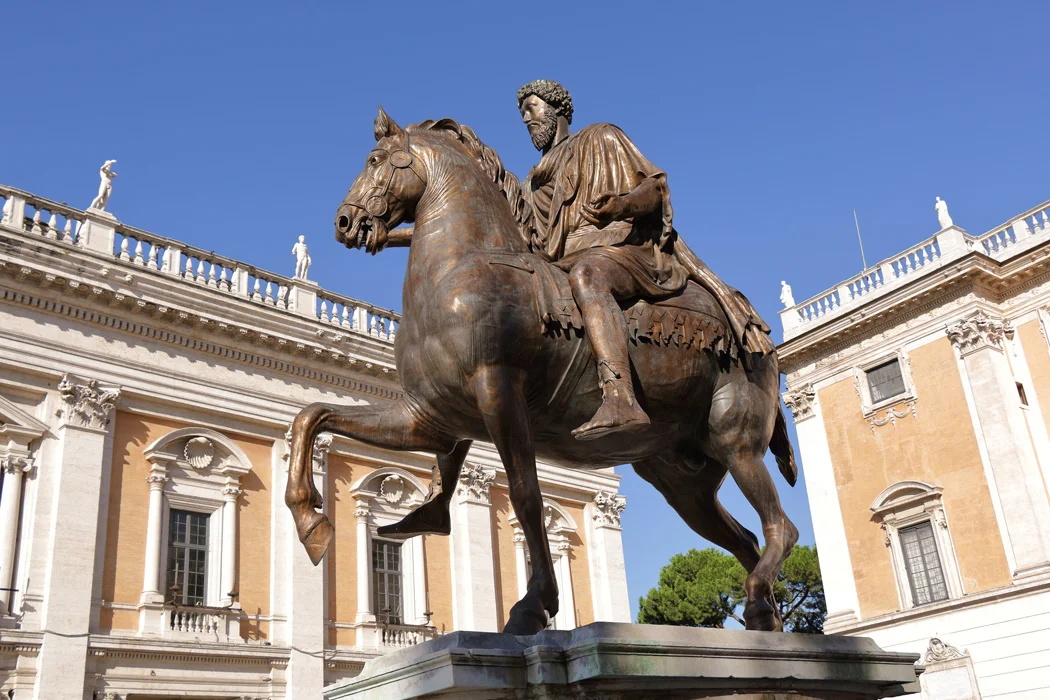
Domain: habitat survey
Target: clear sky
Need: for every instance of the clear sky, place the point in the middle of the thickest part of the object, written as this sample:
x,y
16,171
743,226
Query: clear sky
x,y
238,126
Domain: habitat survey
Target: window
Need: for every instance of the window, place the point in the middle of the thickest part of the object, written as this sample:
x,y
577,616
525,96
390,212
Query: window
x,y
386,581
921,553
923,564
885,381
187,557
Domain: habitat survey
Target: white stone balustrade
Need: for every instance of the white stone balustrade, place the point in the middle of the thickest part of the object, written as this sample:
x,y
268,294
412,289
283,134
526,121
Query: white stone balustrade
x,y
389,637
1012,238
200,623
135,248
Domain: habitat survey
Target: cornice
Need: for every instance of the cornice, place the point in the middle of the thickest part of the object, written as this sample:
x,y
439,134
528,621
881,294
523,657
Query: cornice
x,y
174,326
976,274
212,653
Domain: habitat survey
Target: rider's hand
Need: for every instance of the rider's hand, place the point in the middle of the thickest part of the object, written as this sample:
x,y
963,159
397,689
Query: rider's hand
x,y
605,209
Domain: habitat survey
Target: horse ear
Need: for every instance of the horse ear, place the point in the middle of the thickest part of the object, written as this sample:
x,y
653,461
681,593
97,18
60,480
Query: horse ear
x,y
385,126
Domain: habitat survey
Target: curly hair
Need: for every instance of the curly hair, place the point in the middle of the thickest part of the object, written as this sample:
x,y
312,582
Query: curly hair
x,y
550,92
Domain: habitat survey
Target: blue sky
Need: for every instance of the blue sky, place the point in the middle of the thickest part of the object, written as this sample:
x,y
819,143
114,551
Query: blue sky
x,y
238,126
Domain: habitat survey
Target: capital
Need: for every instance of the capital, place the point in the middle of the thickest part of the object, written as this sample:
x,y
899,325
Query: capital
x,y
800,401
608,508
156,480
87,405
978,332
16,465
231,491
474,483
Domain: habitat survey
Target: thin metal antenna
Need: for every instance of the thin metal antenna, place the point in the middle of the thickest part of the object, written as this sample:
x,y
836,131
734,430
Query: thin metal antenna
x,y
856,223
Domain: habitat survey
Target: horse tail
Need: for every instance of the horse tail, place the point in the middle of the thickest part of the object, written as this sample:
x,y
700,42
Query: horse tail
x,y
780,445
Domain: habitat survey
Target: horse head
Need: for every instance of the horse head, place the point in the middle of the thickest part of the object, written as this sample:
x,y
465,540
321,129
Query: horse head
x,y
385,192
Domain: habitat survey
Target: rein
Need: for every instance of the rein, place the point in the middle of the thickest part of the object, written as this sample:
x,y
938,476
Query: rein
x,y
376,202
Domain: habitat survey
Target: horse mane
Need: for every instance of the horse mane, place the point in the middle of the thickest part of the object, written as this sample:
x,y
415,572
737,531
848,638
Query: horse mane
x,y
490,162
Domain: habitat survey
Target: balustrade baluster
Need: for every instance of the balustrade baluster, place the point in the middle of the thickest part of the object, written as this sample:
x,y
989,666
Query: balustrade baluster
x,y
139,260
188,273
256,296
373,328
200,279
212,279
67,230
346,316
52,226
152,263
124,249
223,282
269,293
37,227
324,310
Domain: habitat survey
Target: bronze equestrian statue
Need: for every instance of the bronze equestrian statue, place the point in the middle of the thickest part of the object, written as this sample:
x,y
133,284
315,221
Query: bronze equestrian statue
x,y
497,343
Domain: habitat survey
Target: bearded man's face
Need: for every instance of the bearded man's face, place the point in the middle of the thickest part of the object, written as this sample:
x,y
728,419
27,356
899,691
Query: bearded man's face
x,y
541,120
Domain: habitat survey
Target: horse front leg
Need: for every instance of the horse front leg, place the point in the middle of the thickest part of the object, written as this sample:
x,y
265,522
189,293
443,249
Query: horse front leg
x,y
501,400
394,427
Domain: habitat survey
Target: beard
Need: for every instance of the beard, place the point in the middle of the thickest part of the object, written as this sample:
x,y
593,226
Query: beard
x,y
543,135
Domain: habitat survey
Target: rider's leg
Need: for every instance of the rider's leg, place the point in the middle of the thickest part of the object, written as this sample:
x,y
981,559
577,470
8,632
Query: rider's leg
x,y
597,285
432,517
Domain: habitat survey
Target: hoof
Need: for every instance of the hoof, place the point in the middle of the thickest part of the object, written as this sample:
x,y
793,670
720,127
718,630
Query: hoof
x,y
526,618
760,616
427,519
318,539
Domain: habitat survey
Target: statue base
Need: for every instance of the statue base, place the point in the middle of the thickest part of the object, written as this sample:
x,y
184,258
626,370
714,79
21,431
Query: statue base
x,y
610,661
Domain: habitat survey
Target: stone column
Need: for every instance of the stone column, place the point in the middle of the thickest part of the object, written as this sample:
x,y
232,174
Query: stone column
x,y
605,554
1003,430
566,617
473,563
13,468
836,566
151,584
65,619
365,614
230,492
307,616
521,563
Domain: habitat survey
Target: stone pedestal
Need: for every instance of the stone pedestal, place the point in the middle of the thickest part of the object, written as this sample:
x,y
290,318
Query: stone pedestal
x,y
614,661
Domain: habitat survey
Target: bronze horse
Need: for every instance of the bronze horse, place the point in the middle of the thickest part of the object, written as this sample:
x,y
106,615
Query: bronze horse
x,y
477,363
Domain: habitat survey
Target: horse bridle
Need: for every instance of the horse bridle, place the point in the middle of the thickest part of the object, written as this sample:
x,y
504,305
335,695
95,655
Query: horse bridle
x,y
376,203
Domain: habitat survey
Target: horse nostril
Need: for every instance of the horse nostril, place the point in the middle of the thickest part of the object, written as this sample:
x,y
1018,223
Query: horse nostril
x,y
343,223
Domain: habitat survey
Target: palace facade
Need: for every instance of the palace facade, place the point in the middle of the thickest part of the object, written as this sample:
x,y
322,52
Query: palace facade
x,y
146,389
917,390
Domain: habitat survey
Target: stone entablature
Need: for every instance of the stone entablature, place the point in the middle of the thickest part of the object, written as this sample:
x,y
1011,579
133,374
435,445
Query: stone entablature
x,y
1020,234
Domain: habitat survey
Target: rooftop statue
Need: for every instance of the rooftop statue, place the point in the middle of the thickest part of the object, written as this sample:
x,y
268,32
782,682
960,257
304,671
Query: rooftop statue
x,y
787,298
943,217
105,186
514,295
302,258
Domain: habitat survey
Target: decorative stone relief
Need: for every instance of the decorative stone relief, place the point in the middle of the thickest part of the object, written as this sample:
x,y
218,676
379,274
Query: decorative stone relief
x,y
392,489
474,483
199,452
87,405
939,651
891,415
608,507
978,332
800,401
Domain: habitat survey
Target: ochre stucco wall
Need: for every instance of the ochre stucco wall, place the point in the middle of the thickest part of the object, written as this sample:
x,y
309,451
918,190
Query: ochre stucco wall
x,y
937,446
128,513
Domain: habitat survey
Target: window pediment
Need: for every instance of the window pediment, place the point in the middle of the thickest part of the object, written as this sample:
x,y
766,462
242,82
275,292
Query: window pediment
x,y
905,496
199,452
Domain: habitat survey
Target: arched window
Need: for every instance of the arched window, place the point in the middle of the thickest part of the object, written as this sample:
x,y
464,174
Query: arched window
x,y
912,517
189,583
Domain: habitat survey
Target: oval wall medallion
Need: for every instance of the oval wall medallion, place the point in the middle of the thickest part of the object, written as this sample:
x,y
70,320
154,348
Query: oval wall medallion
x,y
392,489
199,452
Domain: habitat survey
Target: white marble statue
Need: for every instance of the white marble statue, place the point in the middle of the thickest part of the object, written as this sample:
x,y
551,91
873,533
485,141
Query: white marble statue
x,y
786,297
302,258
105,187
943,217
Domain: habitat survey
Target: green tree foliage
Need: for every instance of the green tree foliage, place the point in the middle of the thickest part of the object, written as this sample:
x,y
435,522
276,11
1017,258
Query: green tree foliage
x,y
704,588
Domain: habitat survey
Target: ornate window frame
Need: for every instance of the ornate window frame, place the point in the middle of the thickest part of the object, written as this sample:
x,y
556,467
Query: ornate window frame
x,y
200,470
384,496
560,525
869,407
908,503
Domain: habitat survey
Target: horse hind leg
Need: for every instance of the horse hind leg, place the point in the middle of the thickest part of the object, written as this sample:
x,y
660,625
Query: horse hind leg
x,y
691,488
739,434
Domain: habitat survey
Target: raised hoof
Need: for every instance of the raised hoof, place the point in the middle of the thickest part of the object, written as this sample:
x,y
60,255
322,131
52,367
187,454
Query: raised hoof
x,y
421,521
317,541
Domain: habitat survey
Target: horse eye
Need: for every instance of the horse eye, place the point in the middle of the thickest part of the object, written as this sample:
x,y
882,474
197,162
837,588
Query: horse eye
x,y
373,160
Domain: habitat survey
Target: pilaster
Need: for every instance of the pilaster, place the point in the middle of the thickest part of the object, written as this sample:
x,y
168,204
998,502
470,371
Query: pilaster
x,y
72,538
1014,468
307,600
836,566
605,554
473,563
